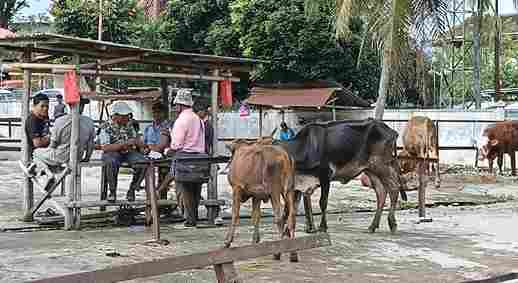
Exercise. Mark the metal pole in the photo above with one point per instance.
(212, 191)
(28, 189)
(260, 121)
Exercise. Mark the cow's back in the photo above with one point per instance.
(255, 167)
(505, 132)
(420, 137)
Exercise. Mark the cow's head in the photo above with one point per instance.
(486, 145)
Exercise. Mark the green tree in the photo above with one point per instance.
(389, 23)
(299, 47)
(9, 9)
(121, 19)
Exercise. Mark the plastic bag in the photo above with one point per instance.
(71, 88)
(225, 89)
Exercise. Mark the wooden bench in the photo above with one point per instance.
(222, 260)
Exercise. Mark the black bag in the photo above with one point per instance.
(191, 170)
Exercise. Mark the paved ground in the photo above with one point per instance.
(462, 242)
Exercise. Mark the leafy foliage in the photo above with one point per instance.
(9, 9)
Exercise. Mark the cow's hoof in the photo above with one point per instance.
(277, 256)
(227, 244)
(294, 257)
(393, 229)
(372, 229)
(322, 229)
(310, 230)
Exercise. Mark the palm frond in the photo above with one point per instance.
(430, 18)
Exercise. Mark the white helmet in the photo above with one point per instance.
(121, 108)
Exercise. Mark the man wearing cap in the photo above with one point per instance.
(59, 109)
(37, 126)
(187, 139)
(47, 160)
(119, 142)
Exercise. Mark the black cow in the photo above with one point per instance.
(342, 150)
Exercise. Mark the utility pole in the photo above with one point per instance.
(497, 53)
(100, 38)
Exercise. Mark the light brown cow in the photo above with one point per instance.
(262, 172)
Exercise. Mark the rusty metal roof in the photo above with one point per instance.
(304, 96)
(132, 95)
(281, 98)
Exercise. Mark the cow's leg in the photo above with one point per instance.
(236, 202)
(278, 221)
(381, 195)
(422, 187)
(513, 163)
(308, 213)
(392, 213)
(500, 162)
(292, 213)
(256, 218)
(324, 187)
(490, 165)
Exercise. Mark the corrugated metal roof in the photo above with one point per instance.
(311, 94)
(285, 98)
(48, 43)
(4, 33)
(135, 95)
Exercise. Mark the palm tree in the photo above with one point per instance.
(390, 22)
(8, 9)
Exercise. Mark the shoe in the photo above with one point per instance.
(218, 220)
(189, 224)
(112, 196)
(130, 195)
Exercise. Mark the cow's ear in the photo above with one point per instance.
(493, 142)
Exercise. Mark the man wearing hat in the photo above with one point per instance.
(37, 126)
(119, 143)
(59, 109)
(187, 139)
(47, 160)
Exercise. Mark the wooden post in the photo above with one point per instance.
(212, 188)
(151, 198)
(72, 213)
(165, 94)
(28, 189)
(260, 121)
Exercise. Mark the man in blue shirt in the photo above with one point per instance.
(157, 135)
(286, 133)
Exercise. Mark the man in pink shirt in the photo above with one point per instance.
(187, 139)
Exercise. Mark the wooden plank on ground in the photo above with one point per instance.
(193, 261)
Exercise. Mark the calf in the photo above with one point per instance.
(497, 139)
(262, 172)
(342, 150)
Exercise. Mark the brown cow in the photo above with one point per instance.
(262, 172)
(502, 137)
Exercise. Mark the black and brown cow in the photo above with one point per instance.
(341, 150)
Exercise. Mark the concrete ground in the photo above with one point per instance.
(472, 236)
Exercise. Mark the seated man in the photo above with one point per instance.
(157, 136)
(119, 143)
(60, 108)
(48, 160)
(37, 126)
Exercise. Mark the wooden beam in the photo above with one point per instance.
(28, 189)
(193, 261)
(108, 62)
(140, 75)
(160, 202)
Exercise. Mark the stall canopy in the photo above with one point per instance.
(305, 95)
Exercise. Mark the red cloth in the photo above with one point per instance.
(71, 88)
(225, 90)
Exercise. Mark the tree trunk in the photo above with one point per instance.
(476, 55)
(384, 81)
(498, 86)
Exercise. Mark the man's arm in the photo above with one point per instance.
(178, 134)
(90, 146)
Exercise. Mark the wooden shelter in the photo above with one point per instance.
(99, 59)
(313, 95)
